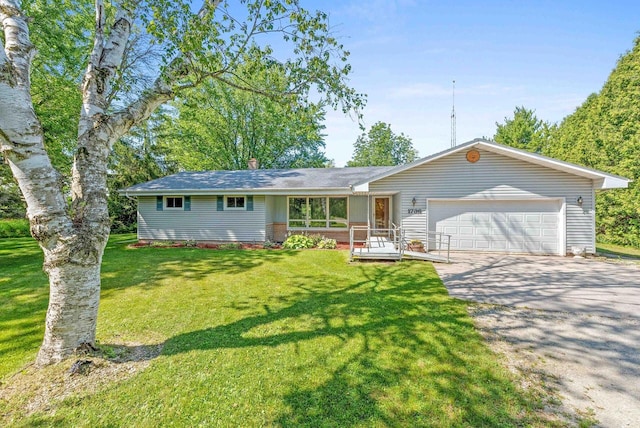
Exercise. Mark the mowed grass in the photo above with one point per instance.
(618, 250)
(264, 338)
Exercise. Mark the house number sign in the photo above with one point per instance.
(415, 210)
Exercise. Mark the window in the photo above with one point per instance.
(318, 212)
(173, 202)
(235, 202)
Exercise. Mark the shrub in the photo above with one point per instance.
(14, 228)
(161, 244)
(327, 243)
(316, 238)
(230, 246)
(297, 242)
(269, 244)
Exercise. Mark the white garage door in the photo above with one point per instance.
(505, 226)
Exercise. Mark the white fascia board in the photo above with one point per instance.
(613, 183)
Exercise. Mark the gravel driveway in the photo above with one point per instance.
(575, 320)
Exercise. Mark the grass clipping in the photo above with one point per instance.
(40, 390)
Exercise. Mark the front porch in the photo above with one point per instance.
(391, 244)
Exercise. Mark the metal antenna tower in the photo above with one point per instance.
(453, 116)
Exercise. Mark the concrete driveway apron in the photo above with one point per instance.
(581, 316)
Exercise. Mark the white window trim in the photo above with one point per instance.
(166, 207)
(328, 214)
(228, 208)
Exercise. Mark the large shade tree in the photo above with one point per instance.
(381, 147)
(218, 126)
(211, 42)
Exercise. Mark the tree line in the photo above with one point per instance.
(603, 133)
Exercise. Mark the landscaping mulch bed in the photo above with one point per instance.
(223, 246)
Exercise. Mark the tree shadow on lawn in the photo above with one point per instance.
(24, 291)
(23, 300)
(148, 266)
(414, 357)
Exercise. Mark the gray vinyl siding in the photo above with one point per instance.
(493, 177)
(202, 223)
(358, 209)
(278, 209)
(269, 206)
(396, 216)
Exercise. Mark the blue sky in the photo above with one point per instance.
(544, 55)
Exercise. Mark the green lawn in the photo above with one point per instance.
(259, 338)
(618, 250)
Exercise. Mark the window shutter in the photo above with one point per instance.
(250, 203)
(220, 203)
(159, 203)
(187, 203)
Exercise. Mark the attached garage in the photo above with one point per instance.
(519, 226)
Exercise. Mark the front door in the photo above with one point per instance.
(381, 214)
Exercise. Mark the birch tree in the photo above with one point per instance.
(210, 42)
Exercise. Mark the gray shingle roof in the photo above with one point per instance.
(258, 180)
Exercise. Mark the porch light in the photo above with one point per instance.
(413, 201)
(580, 200)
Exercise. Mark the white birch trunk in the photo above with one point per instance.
(72, 237)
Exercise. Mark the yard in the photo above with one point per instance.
(256, 338)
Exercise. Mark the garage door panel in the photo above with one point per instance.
(515, 218)
(533, 218)
(510, 226)
(466, 244)
(484, 231)
(499, 245)
(533, 231)
(482, 245)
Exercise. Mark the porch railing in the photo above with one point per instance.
(433, 242)
(362, 241)
(376, 243)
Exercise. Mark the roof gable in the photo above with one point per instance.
(602, 180)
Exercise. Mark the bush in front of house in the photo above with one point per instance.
(327, 244)
(298, 242)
